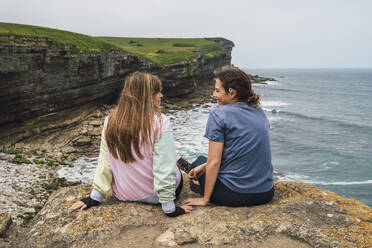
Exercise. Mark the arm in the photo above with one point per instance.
(103, 175)
(212, 167)
(197, 171)
(102, 180)
(164, 169)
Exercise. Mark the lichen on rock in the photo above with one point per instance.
(299, 216)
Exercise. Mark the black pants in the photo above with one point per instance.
(179, 188)
(224, 196)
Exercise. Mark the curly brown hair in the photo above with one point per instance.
(234, 78)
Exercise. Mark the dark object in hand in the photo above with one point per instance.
(183, 164)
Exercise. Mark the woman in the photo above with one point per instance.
(137, 158)
(238, 171)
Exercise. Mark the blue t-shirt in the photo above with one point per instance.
(246, 158)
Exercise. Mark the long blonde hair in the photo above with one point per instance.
(131, 123)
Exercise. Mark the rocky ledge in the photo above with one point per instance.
(299, 216)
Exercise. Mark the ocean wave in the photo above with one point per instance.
(294, 177)
(338, 123)
(274, 104)
(269, 82)
(341, 182)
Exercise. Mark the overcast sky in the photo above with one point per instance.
(266, 33)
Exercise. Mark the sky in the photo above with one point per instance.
(266, 33)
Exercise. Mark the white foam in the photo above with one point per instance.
(341, 182)
(272, 82)
(273, 104)
(266, 83)
(83, 170)
(293, 177)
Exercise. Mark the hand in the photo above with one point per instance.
(197, 172)
(78, 205)
(187, 208)
(195, 202)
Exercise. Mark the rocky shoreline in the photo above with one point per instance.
(29, 166)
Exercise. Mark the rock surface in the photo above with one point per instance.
(299, 216)
(5, 221)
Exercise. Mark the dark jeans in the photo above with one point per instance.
(224, 196)
(179, 188)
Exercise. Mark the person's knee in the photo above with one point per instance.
(201, 159)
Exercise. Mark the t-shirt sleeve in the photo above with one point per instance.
(215, 127)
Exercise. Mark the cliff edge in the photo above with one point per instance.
(44, 71)
(299, 216)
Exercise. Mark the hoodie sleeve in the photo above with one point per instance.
(103, 175)
(164, 164)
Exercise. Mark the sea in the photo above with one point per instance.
(320, 129)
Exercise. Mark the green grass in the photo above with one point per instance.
(165, 51)
(32, 122)
(51, 163)
(55, 184)
(38, 161)
(13, 151)
(21, 160)
(79, 42)
(162, 51)
(26, 218)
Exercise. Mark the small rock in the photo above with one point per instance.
(95, 123)
(59, 155)
(29, 211)
(19, 145)
(166, 239)
(3, 156)
(330, 215)
(5, 221)
(68, 150)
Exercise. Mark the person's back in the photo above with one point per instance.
(238, 171)
(137, 159)
(246, 158)
(134, 181)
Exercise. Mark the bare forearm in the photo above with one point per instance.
(210, 179)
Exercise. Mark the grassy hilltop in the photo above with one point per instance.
(10, 32)
(166, 50)
(161, 51)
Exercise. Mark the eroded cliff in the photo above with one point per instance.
(38, 77)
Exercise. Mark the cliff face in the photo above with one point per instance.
(37, 79)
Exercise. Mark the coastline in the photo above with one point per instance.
(83, 136)
(33, 162)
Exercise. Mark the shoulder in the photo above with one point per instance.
(163, 123)
(221, 112)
